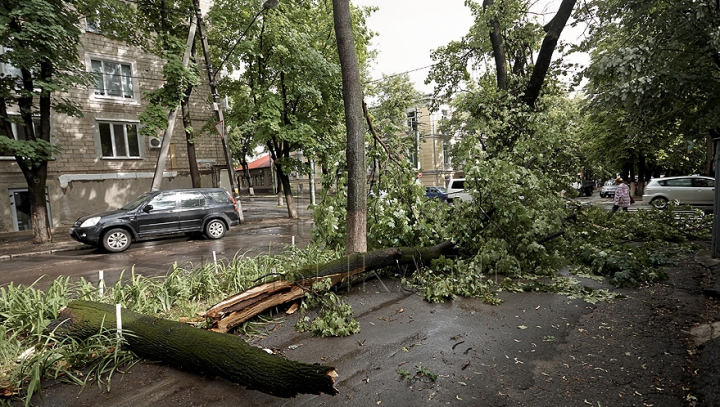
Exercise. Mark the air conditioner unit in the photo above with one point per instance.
(154, 142)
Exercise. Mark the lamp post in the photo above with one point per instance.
(222, 129)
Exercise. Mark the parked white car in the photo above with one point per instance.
(608, 190)
(692, 190)
(456, 191)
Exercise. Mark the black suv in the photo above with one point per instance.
(201, 210)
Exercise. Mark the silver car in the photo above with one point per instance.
(608, 189)
(692, 190)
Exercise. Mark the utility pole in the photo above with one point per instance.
(172, 116)
(217, 106)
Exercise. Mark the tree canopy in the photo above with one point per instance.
(653, 81)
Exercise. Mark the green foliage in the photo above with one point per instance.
(30, 354)
(335, 317)
(420, 371)
(405, 374)
(654, 92)
(631, 248)
(288, 94)
(447, 278)
(425, 372)
(566, 286)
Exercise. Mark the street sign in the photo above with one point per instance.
(219, 127)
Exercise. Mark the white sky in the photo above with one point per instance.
(408, 30)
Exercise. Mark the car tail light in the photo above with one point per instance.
(232, 198)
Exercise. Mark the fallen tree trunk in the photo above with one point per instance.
(234, 310)
(198, 350)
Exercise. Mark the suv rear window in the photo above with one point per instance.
(460, 184)
(192, 200)
(220, 196)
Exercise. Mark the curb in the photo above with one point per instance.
(67, 248)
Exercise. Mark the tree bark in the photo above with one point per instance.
(234, 310)
(356, 219)
(198, 351)
(498, 51)
(549, 43)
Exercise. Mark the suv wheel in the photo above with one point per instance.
(116, 240)
(215, 229)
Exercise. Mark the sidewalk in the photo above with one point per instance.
(19, 244)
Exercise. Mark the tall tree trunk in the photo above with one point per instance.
(36, 179)
(36, 173)
(710, 152)
(198, 351)
(498, 50)
(554, 29)
(356, 223)
(284, 181)
(246, 171)
(282, 150)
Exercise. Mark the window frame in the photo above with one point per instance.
(129, 89)
(112, 124)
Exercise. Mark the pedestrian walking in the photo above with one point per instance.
(622, 196)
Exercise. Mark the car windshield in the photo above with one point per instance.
(136, 202)
(441, 189)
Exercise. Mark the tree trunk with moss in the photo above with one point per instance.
(234, 310)
(199, 351)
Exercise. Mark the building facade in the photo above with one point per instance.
(432, 154)
(104, 161)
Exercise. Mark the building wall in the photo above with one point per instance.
(80, 180)
(434, 167)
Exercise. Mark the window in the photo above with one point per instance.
(220, 196)
(458, 184)
(679, 182)
(164, 202)
(92, 24)
(119, 140)
(192, 200)
(703, 182)
(8, 69)
(112, 79)
(447, 157)
(15, 128)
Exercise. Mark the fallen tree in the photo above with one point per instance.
(198, 351)
(234, 310)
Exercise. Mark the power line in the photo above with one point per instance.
(403, 73)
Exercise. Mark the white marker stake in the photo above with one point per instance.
(118, 318)
(293, 240)
(215, 261)
(101, 283)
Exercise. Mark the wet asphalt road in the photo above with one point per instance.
(512, 354)
(268, 229)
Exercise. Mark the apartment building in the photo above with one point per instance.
(104, 161)
(431, 155)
